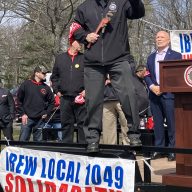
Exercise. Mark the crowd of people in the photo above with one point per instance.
(98, 88)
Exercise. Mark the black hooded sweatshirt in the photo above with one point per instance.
(35, 99)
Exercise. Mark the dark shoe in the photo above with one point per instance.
(171, 157)
(134, 139)
(156, 155)
(93, 148)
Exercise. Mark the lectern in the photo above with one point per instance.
(176, 77)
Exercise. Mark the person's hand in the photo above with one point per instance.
(24, 119)
(82, 93)
(155, 89)
(44, 116)
(59, 94)
(92, 37)
(107, 82)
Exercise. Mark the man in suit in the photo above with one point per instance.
(162, 104)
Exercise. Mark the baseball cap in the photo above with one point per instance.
(74, 27)
(40, 68)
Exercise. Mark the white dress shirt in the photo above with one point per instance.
(159, 57)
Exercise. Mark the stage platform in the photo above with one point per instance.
(161, 166)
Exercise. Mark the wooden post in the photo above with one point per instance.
(175, 77)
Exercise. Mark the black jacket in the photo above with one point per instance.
(67, 75)
(141, 95)
(112, 45)
(109, 93)
(35, 99)
(7, 105)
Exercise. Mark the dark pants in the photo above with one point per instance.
(122, 81)
(7, 128)
(163, 108)
(33, 126)
(52, 134)
(72, 113)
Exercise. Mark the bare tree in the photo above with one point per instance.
(141, 36)
(41, 31)
(51, 16)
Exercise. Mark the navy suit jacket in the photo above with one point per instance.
(150, 78)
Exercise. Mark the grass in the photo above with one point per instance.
(16, 131)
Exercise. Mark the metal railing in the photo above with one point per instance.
(113, 151)
(122, 151)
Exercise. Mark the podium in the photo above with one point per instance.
(176, 77)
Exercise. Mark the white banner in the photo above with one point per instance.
(26, 170)
(181, 41)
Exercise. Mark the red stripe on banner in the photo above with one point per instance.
(187, 56)
(88, 189)
(20, 184)
(9, 186)
(63, 188)
(50, 186)
(76, 189)
(40, 186)
(30, 183)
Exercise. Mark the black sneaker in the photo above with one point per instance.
(135, 139)
(93, 148)
(156, 155)
(171, 157)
